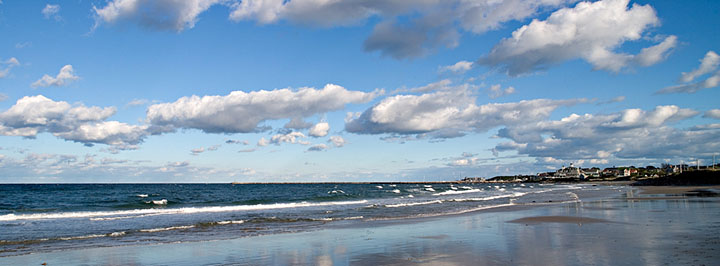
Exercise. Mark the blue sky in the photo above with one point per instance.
(304, 90)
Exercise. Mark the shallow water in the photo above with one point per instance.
(37, 218)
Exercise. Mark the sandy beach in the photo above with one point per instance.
(615, 230)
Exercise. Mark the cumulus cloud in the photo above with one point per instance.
(496, 91)
(458, 68)
(589, 31)
(631, 133)
(407, 29)
(447, 113)
(337, 141)
(155, 14)
(431, 24)
(51, 11)
(7, 65)
(708, 64)
(714, 113)
(319, 130)
(32, 115)
(292, 138)
(65, 76)
(242, 112)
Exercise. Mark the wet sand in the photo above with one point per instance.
(605, 231)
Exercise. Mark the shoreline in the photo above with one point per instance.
(445, 239)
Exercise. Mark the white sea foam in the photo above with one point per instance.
(379, 187)
(453, 192)
(410, 196)
(230, 222)
(430, 189)
(187, 210)
(427, 185)
(166, 228)
(142, 195)
(117, 234)
(466, 187)
(78, 237)
(396, 191)
(516, 194)
(413, 204)
(160, 202)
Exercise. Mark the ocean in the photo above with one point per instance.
(47, 217)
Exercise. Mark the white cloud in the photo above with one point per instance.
(197, 151)
(65, 76)
(318, 147)
(51, 11)
(155, 14)
(714, 113)
(407, 28)
(242, 112)
(9, 64)
(432, 23)
(292, 138)
(36, 114)
(495, 91)
(652, 55)
(3, 97)
(708, 64)
(590, 31)
(319, 130)
(448, 113)
(631, 133)
(711, 82)
(459, 67)
(262, 142)
(200, 150)
(337, 141)
(464, 162)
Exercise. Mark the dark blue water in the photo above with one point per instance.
(59, 216)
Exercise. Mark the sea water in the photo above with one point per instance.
(43, 217)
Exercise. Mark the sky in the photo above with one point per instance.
(366, 90)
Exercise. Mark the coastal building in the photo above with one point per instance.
(591, 172)
(569, 172)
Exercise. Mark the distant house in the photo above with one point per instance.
(569, 172)
(591, 172)
(630, 171)
(613, 171)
